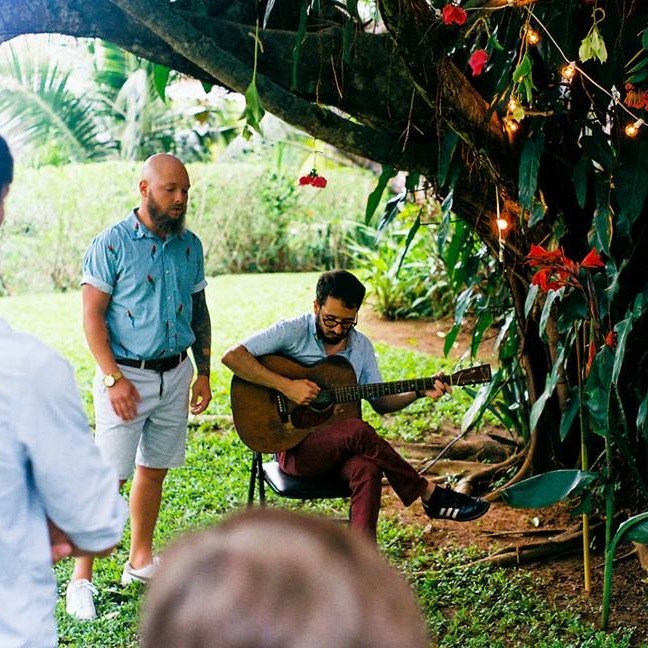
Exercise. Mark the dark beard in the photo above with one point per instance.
(162, 221)
(329, 339)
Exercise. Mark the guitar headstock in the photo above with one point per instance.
(471, 375)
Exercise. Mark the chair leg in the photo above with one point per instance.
(253, 476)
(261, 478)
(256, 473)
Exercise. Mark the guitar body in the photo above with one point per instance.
(268, 422)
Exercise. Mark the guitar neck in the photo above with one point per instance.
(370, 391)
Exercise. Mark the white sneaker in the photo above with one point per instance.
(141, 575)
(78, 599)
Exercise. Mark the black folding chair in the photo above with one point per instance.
(299, 488)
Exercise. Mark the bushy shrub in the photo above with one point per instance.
(403, 284)
(250, 218)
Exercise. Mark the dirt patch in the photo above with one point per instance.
(560, 579)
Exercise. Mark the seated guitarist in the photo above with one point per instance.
(350, 446)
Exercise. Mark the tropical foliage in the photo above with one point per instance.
(525, 120)
(92, 100)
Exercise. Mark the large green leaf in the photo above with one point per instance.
(484, 322)
(570, 413)
(598, 388)
(550, 385)
(642, 413)
(254, 111)
(478, 406)
(602, 234)
(374, 197)
(598, 148)
(393, 207)
(161, 79)
(622, 330)
(630, 186)
(411, 235)
(634, 528)
(552, 295)
(448, 147)
(530, 298)
(528, 171)
(450, 339)
(580, 176)
(548, 488)
(300, 37)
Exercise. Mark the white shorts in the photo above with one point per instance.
(156, 438)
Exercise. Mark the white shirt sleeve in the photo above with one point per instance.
(78, 490)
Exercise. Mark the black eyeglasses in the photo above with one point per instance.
(331, 322)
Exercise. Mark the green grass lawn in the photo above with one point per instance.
(464, 607)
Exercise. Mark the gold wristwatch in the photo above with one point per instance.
(110, 379)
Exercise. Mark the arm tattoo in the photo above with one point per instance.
(201, 326)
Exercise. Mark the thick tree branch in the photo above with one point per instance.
(185, 39)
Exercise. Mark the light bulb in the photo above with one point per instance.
(502, 224)
(568, 72)
(511, 125)
(532, 36)
(632, 128)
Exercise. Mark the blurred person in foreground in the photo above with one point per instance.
(57, 496)
(144, 308)
(269, 578)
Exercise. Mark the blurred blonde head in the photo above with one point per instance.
(267, 578)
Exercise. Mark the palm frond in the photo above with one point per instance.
(36, 100)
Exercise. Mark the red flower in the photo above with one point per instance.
(542, 278)
(592, 260)
(539, 256)
(478, 61)
(591, 354)
(313, 179)
(555, 270)
(453, 14)
(611, 339)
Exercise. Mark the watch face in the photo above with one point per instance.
(109, 380)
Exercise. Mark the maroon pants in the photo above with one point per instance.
(355, 449)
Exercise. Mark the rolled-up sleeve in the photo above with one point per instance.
(99, 264)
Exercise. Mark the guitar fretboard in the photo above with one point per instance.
(350, 393)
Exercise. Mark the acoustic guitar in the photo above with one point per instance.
(268, 422)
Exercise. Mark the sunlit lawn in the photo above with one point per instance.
(464, 607)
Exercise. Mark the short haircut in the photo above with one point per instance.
(271, 578)
(341, 285)
(6, 164)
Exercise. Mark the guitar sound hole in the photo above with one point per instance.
(322, 402)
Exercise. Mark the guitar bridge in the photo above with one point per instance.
(282, 407)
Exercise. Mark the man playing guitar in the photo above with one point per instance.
(348, 445)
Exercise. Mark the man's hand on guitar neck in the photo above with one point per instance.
(440, 388)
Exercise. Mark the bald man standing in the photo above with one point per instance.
(143, 290)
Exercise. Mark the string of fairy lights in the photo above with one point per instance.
(568, 73)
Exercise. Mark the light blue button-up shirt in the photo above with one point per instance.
(297, 339)
(49, 468)
(150, 283)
